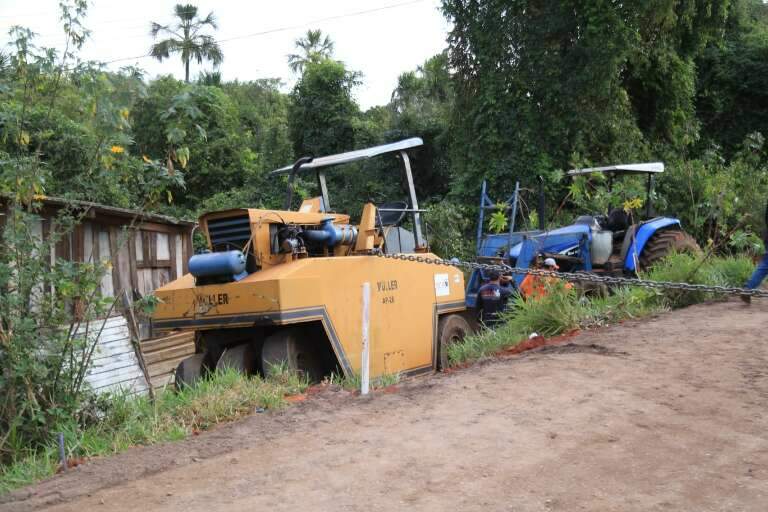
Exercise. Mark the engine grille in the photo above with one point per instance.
(230, 232)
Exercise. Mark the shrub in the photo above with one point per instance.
(731, 271)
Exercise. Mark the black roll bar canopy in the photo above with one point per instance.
(306, 164)
(650, 169)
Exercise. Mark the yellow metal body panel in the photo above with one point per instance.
(406, 298)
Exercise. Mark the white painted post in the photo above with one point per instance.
(365, 368)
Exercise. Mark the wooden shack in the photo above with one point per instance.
(144, 252)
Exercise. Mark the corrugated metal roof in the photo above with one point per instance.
(113, 211)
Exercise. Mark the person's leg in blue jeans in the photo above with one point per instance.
(758, 275)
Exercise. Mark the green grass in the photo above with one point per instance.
(562, 310)
(723, 271)
(30, 469)
(135, 420)
(559, 311)
(353, 382)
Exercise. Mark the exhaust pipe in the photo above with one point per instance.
(296, 166)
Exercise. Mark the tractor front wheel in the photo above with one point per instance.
(663, 243)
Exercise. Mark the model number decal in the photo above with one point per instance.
(386, 286)
(203, 303)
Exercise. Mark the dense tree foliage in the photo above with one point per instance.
(524, 89)
(421, 106)
(63, 129)
(732, 88)
(542, 86)
(322, 111)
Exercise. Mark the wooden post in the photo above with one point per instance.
(365, 368)
(133, 328)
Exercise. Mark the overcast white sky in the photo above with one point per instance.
(381, 44)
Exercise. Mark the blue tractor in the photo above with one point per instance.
(610, 243)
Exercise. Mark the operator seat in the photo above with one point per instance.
(396, 238)
(618, 220)
(385, 219)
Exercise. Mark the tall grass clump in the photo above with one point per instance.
(686, 268)
(623, 303)
(122, 420)
(731, 270)
(557, 312)
(354, 381)
(563, 309)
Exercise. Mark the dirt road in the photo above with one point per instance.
(666, 414)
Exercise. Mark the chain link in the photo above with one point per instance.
(579, 276)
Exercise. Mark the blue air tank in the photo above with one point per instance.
(228, 263)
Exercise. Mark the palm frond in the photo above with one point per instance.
(185, 12)
(210, 20)
(156, 28)
(207, 48)
(296, 62)
(327, 46)
(163, 49)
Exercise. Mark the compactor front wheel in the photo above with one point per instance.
(295, 349)
(450, 329)
(243, 358)
(189, 371)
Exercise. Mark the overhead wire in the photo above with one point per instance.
(280, 29)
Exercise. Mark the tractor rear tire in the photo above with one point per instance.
(189, 371)
(293, 348)
(450, 329)
(663, 243)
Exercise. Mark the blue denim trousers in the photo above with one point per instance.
(759, 274)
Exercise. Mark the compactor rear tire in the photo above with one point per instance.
(450, 329)
(243, 358)
(189, 371)
(664, 243)
(294, 348)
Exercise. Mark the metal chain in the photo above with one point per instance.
(578, 276)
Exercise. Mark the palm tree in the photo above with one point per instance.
(314, 48)
(186, 39)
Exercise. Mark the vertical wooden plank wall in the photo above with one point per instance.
(124, 263)
(139, 261)
(179, 258)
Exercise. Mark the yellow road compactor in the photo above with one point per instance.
(285, 286)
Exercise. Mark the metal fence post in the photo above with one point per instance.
(366, 358)
(62, 452)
